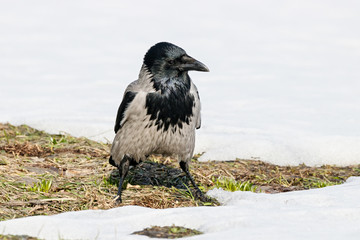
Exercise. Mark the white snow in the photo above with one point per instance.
(283, 87)
(327, 213)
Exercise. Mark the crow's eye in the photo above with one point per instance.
(171, 62)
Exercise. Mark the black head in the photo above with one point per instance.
(168, 60)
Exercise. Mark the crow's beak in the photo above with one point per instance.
(190, 63)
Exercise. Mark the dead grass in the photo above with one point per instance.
(16, 237)
(168, 232)
(44, 174)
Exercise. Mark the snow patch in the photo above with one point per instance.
(331, 213)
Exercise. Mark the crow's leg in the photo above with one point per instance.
(198, 194)
(123, 171)
(125, 163)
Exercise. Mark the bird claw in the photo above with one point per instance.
(200, 195)
(117, 199)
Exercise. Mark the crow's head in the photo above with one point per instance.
(166, 60)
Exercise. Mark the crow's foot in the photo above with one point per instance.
(117, 199)
(201, 196)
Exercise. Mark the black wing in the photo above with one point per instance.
(198, 122)
(128, 98)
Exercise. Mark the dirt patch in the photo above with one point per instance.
(168, 232)
(24, 149)
(16, 237)
(44, 174)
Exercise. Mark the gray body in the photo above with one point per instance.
(139, 136)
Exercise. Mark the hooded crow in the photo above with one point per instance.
(159, 112)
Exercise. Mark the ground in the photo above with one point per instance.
(44, 174)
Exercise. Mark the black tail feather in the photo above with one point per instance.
(111, 161)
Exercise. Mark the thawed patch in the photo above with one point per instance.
(45, 174)
(168, 232)
(16, 237)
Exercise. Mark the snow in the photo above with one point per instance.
(326, 213)
(283, 87)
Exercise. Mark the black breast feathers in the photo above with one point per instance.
(172, 104)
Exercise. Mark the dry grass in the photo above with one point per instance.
(168, 232)
(273, 178)
(17, 237)
(44, 174)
